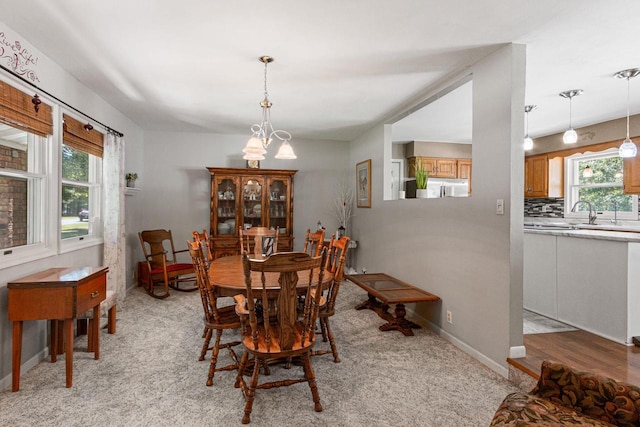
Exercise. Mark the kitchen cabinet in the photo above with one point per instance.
(249, 198)
(464, 171)
(535, 176)
(436, 166)
(543, 176)
(585, 278)
(631, 177)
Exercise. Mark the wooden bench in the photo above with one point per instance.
(383, 290)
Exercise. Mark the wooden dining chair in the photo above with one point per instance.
(162, 263)
(262, 240)
(335, 264)
(215, 319)
(205, 245)
(278, 332)
(313, 242)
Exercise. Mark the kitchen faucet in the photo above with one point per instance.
(592, 213)
(615, 213)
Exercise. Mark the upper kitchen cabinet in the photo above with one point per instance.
(437, 167)
(249, 198)
(543, 177)
(631, 177)
(464, 170)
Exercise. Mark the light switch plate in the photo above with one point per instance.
(500, 207)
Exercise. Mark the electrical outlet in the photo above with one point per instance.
(449, 317)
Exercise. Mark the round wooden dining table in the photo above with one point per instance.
(227, 275)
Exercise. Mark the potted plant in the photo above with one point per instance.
(131, 179)
(421, 180)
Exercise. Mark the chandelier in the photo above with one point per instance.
(264, 133)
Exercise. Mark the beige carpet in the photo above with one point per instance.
(149, 375)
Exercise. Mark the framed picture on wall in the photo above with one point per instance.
(363, 184)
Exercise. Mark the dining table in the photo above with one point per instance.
(227, 275)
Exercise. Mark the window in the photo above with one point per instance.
(602, 187)
(81, 178)
(22, 188)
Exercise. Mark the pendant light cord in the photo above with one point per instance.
(628, 101)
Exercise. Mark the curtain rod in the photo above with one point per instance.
(109, 129)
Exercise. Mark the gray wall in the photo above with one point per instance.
(459, 249)
(438, 149)
(611, 130)
(176, 184)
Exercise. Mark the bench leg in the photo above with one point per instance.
(400, 323)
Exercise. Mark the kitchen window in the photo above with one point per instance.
(601, 185)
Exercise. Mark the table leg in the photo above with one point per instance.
(400, 323)
(16, 355)
(68, 335)
(53, 348)
(95, 342)
(371, 303)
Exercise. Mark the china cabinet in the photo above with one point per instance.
(249, 198)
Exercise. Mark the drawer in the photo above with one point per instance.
(91, 293)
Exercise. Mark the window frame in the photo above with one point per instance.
(39, 240)
(94, 183)
(572, 186)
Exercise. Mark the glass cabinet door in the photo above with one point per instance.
(252, 202)
(225, 215)
(279, 205)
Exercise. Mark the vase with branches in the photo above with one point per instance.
(343, 202)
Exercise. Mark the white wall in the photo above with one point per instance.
(64, 86)
(459, 249)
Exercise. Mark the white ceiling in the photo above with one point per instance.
(340, 66)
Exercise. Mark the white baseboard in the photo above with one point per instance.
(517, 352)
(491, 364)
(5, 382)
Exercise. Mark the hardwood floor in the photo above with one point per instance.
(581, 350)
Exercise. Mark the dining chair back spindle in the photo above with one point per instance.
(215, 318)
(262, 240)
(313, 242)
(335, 264)
(203, 241)
(275, 331)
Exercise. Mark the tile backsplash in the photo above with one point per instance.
(544, 207)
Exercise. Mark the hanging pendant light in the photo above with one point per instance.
(570, 136)
(528, 142)
(587, 172)
(628, 148)
(264, 133)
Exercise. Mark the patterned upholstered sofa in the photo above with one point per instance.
(565, 396)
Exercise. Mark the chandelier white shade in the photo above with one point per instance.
(528, 142)
(570, 136)
(264, 132)
(628, 148)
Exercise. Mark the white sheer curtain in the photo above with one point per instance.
(114, 232)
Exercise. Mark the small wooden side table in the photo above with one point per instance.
(383, 290)
(56, 294)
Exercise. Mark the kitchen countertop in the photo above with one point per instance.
(621, 236)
